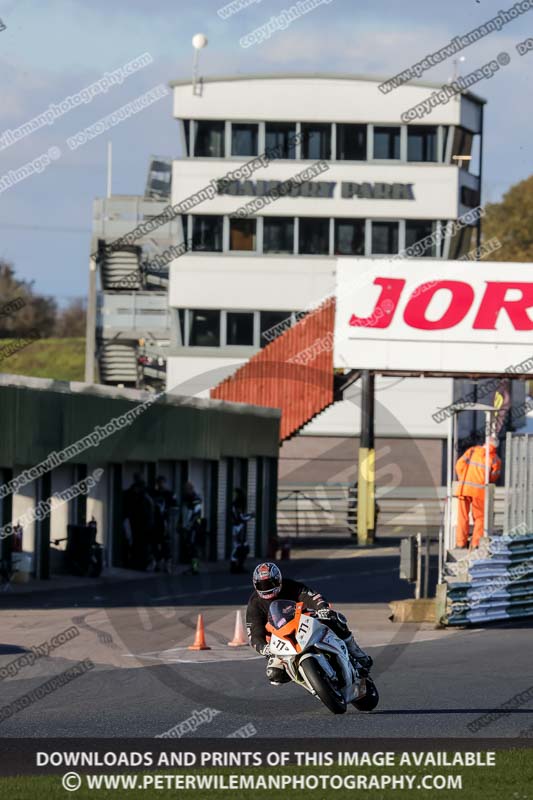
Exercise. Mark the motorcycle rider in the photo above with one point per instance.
(268, 586)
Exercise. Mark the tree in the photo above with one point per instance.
(71, 320)
(511, 221)
(22, 311)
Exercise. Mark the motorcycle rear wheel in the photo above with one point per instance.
(325, 692)
(370, 700)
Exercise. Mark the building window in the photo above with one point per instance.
(239, 328)
(209, 138)
(349, 237)
(386, 142)
(244, 139)
(185, 231)
(278, 235)
(314, 236)
(462, 146)
(204, 328)
(274, 323)
(470, 197)
(316, 140)
(384, 238)
(181, 325)
(421, 143)
(441, 154)
(444, 235)
(351, 142)
(207, 233)
(187, 135)
(280, 139)
(242, 234)
(416, 230)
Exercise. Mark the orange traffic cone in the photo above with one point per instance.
(239, 636)
(199, 639)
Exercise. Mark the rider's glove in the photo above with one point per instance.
(265, 650)
(325, 613)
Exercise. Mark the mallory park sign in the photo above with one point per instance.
(362, 191)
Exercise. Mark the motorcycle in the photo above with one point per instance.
(315, 658)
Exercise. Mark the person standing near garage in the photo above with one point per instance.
(470, 469)
(191, 526)
(164, 500)
(239, 517)
(139, 511)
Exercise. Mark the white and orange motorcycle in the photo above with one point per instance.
(317, 659)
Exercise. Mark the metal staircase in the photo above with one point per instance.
(293, 373)
(118, 363)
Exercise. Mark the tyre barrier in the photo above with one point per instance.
(494, 583)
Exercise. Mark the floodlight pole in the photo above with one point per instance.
(195, 62)
(199, 41)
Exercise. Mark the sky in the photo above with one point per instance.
(51, 50)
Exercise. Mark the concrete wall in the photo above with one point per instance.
(264, 282)
(291, 98)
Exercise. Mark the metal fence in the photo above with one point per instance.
(310, 509)
(313, 510)
(518, 482)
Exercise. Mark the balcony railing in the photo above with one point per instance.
(116, 216)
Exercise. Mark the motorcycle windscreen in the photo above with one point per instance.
(281, 612)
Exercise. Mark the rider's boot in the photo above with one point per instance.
(275, 672)
(357, 653)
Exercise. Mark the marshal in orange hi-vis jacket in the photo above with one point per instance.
(470, 469)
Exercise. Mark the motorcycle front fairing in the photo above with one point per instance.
(312, 639)
(312, 633)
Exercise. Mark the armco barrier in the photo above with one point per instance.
(493, 584)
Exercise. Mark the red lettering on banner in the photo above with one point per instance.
(462, 297)
(387, 301)
(494, 301)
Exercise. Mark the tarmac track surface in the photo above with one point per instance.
(145, 682)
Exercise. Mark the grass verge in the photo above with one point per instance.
(59, 359)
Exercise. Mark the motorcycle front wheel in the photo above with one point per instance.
(317, 678)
